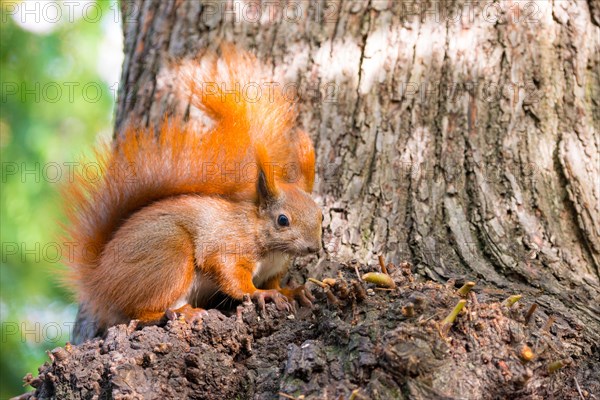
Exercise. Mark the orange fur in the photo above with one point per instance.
(144, 175)
(305, 154)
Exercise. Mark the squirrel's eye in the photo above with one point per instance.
(282, 220)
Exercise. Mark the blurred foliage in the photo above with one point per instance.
(53, 106)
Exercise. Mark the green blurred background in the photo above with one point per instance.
(59, 68)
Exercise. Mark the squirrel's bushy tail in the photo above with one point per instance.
(142, 166)
(236, 92)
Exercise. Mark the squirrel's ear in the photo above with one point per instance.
(267, 190)
(306, 159)
(266, 187)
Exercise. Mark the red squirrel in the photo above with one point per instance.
(180, 213)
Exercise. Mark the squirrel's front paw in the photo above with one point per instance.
(301, 294)
(281, 301)
(189, 313)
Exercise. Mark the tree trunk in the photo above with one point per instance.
(459, 137)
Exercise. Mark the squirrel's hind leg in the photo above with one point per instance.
(155, 270)
(187, 312)
(190, 314)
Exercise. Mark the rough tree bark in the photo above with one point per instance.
(458, 139)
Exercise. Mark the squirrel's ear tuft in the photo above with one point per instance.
(266, 188)
(306, 159)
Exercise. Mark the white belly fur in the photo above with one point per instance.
(272, 264)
